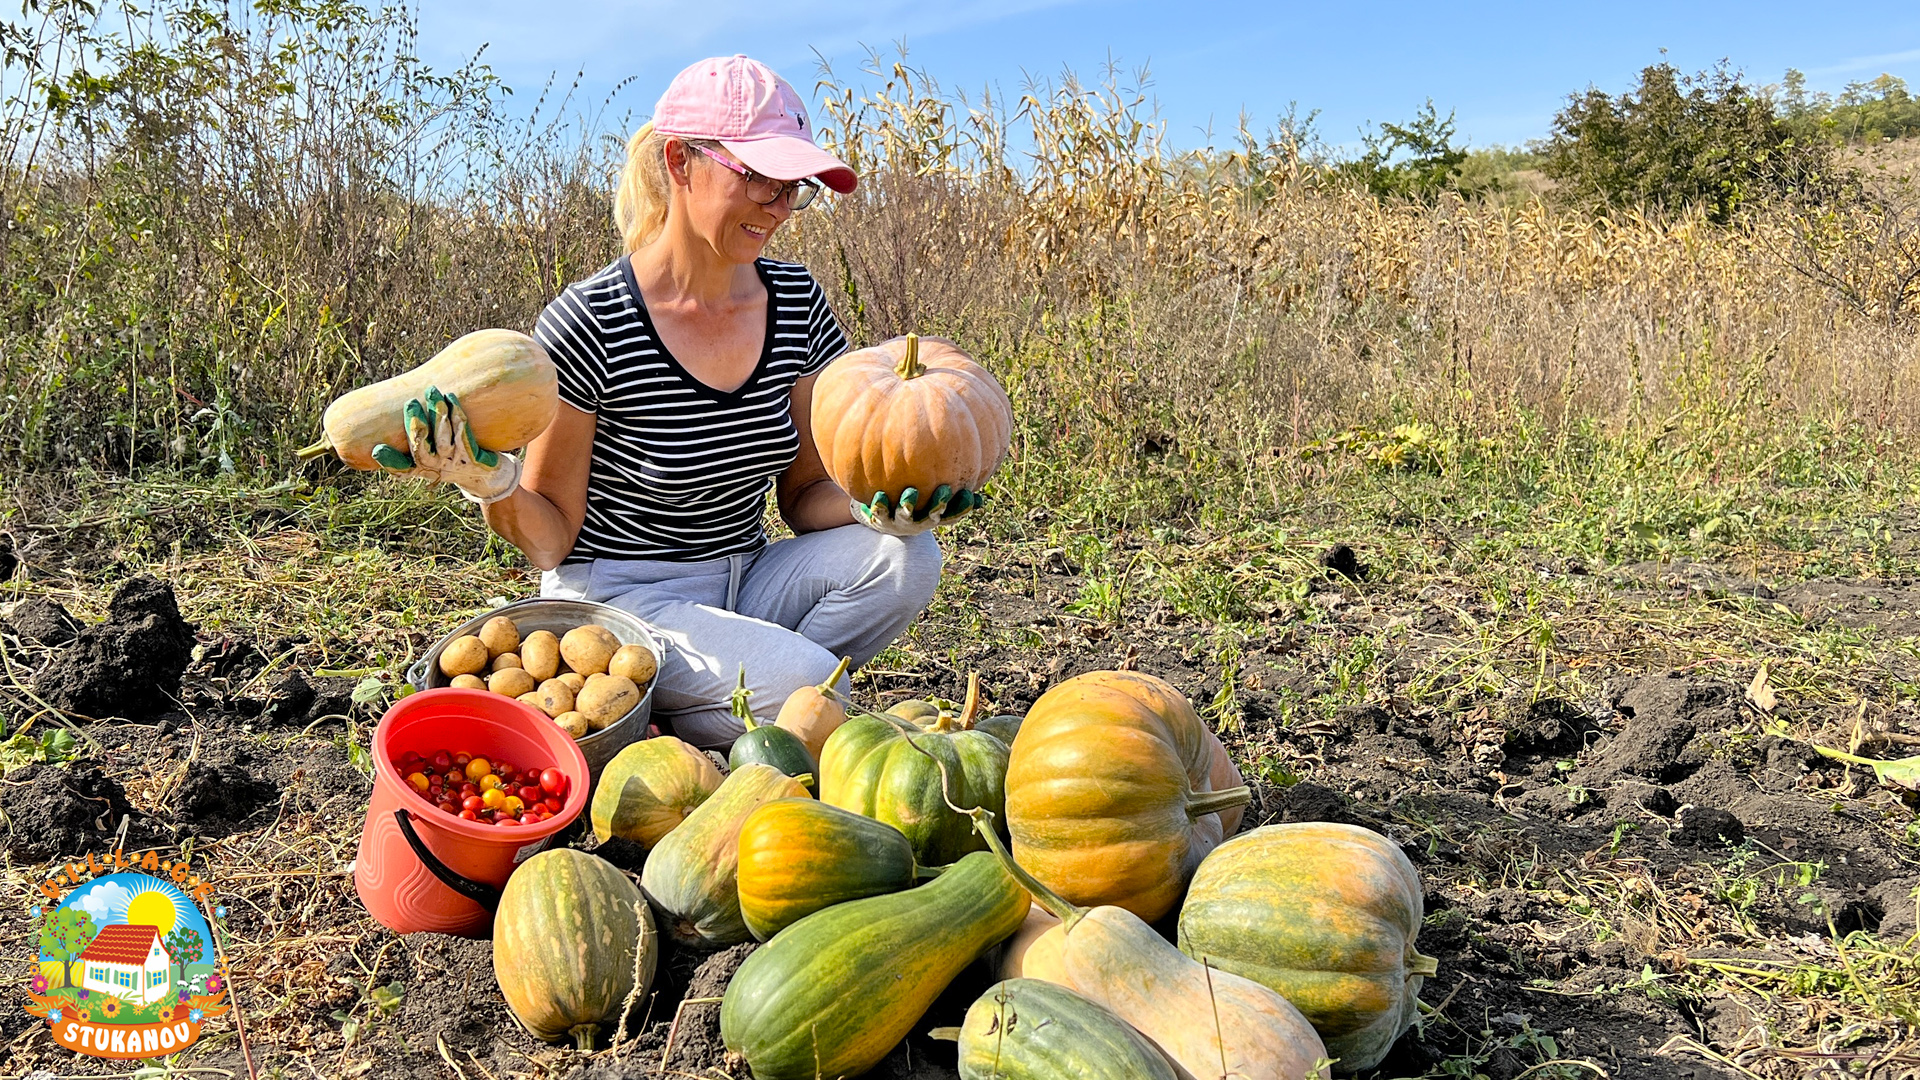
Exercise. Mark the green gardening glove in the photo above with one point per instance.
(911, 514)
(441, 448)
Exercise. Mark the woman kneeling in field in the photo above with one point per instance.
(686, 378)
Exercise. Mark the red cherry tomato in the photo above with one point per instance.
(553, 780)
(469, 815)
(552, 803)
(473, 803)
(442, 761)
(502, 769)
(462, 758)
(530, 795)
(506, 821)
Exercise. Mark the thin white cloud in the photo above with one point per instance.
(106, 902)
(1867, 63)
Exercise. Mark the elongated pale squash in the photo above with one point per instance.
(830, 995)
(1034, 950)
(692, 876)
(1025, 1029)
(504, 381)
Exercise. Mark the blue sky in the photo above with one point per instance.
(1503, 68)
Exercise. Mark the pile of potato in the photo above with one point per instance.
(584, 680)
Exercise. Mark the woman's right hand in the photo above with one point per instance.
(441, 448)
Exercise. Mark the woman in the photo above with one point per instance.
(686, 380)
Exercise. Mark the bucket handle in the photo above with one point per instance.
(485, 895)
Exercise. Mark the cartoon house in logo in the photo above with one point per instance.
(127, 961)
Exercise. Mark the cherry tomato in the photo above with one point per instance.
(418, 780)
(502, 768)
(478, 768)
(529, 794)
(553, 780)
(442, 761)
(473, 802)
(513, 804)
(493, 798)
(462, 758)
(469, 815)
(507, 821)
(551, 803)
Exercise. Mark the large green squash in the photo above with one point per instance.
(885, 767)
(572, 940)
(830, 995)
(800, 855)
(649, 788)
(1027, 1029)
(691, 876)
(1325, 915)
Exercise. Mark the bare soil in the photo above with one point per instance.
(1560, 841)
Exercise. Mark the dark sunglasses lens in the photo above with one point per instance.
(802, 195)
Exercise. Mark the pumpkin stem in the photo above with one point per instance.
(1212, 802)
(910, 366)
(1421, 964)
(928, 873)
(944, 1034)
(583, 1036)
(325, 444)
(970, 711)
(826, 688)
(740, 695)
(1059, 906)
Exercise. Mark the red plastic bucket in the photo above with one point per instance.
(421, 868)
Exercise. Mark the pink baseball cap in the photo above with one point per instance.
(752, 112)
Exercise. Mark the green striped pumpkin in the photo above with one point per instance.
(571, 940)
(1027, 1029)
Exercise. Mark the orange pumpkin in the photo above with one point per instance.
(910, 413)
(1110, 796)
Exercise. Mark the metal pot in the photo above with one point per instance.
(557, 617)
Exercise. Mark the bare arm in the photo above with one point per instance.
(809, 499)
(543, 517)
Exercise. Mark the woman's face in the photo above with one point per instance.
(716, 203)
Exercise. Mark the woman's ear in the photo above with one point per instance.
(679, 161)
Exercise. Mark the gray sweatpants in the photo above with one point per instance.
(789, 612)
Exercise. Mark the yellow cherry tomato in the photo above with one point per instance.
(478, 768)
(494, 798)
(489, 782)
(512, 804)
(419, 781)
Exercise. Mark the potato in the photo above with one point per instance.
(540, 654)
(464, 656)
(555, 697)
(573, 679)
(586, 649)
(469, 682)
(635, 662)
(512, 682)
(607, 699)
(504, 661)
(572, 722)
(500, 635)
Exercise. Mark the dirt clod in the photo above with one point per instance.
(42, 621)
(1341, 560)
(53, 812)
(223, 793)
(1707, 827)
(128, 666)
(289, 700)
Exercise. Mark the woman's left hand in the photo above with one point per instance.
(911, 514)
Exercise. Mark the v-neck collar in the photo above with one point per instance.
(673, 362)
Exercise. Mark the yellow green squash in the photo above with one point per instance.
(691, 876)
(831, 994)
(572, 940)
(798, 856)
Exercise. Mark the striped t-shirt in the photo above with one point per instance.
(681, 470)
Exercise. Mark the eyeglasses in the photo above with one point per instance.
(765, 190)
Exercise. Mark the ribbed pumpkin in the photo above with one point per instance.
(830, 995)
(1208, 1022)
(884, 767)
(910, 412)
(571, 938)
(1109, 792)
(649, 788)
(1326, 915)
(1025, 1029)
(812, 713)
(767, 744)
(800, 855)
(691, 877)
(503, 380)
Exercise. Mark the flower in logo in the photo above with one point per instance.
(195, 1015)
(33, 912)
(84, 1015)
(40, 983)
(214, 983)
(110, 1008)
(220, 913)
(85, 993)
(53, 1015)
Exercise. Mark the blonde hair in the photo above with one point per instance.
(640, 200)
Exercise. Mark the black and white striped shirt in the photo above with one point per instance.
(681, 470)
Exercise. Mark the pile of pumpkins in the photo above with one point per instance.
(939, 836)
